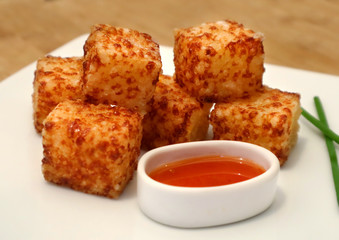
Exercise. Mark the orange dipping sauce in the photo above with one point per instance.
(206, 171)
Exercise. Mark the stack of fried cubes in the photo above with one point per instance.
(96, 112)
(90, 109)
(223, 63)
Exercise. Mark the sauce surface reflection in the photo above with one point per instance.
(206, 171)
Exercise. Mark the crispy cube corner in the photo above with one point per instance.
(121, 67)
(56, 79)
(91, 148)
(268, 118)
(175, 116)
(218, 61)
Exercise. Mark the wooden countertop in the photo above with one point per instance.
(300, 34)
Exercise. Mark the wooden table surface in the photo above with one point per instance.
(300, 34)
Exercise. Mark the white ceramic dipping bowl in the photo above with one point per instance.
(192, 207)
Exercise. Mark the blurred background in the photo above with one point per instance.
(301, 34)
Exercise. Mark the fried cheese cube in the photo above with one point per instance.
(91, 148)
(175, 116)
(220, 60)
(268, 118)
(121, 67)
(56, 79)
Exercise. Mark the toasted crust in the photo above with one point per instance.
(268, 118)
(121, 67)
(217, 61)
(175, 116)
(56, 79)
(91, 148)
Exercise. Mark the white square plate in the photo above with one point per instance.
(305, 206)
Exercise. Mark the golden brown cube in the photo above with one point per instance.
(268, 118)
(121, 67)
(91, 148)
(220, 60)
(175, 117)
(56, 79)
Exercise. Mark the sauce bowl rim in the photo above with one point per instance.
(270, 172)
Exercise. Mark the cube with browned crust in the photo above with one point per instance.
(175, 116)
(219, 60)
(56, 79)
(91, 148)
(268, 118)
(121, 67)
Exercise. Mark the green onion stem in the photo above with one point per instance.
(321, 125)
(330, 146)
